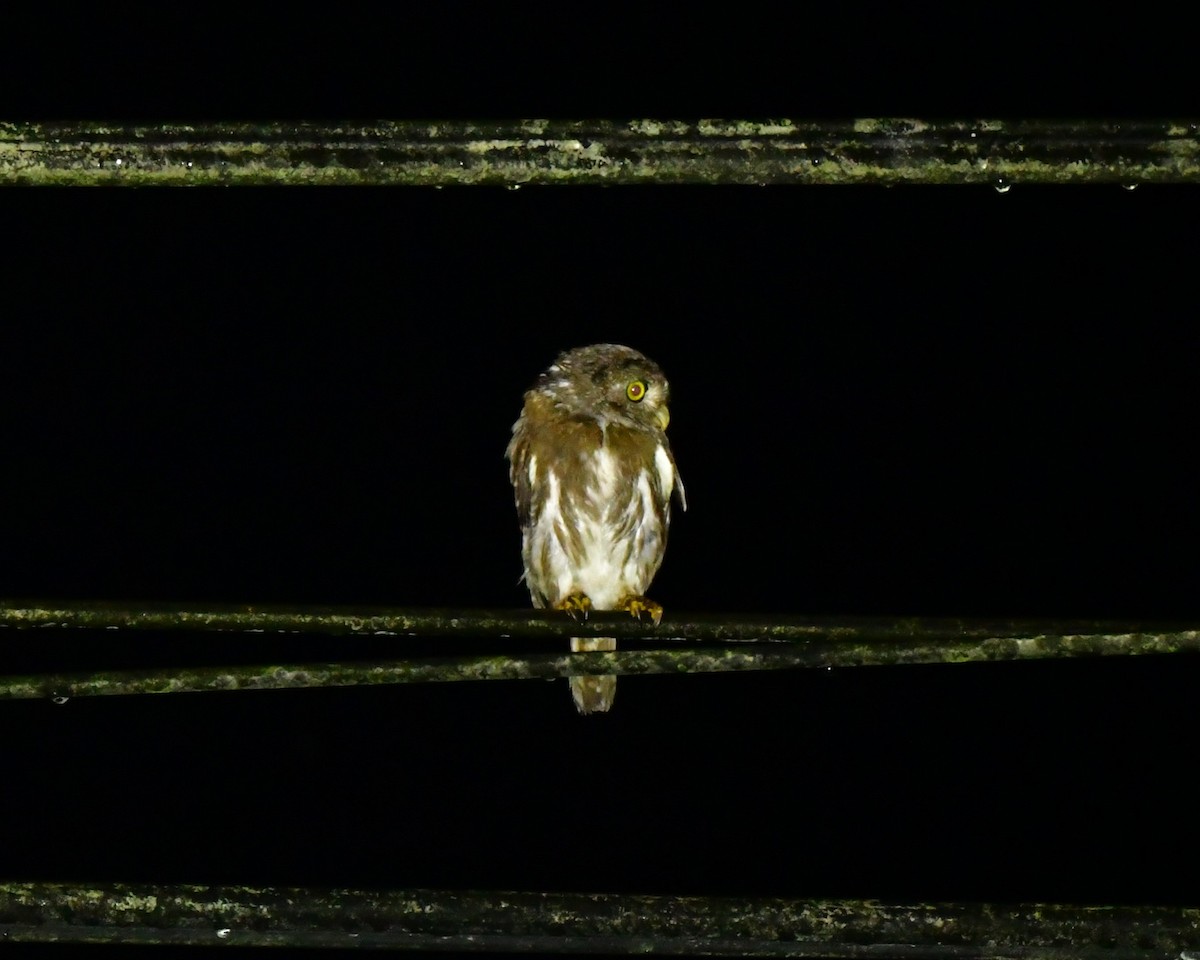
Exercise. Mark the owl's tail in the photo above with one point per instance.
(593, 694)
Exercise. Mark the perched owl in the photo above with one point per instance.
(593, 475)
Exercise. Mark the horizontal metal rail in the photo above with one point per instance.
(61, 687)
(531, 644)
(519, 152)
(587, 923)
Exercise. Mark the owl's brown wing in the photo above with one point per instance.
(518, 472)
(680, 493)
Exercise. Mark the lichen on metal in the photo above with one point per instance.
(531, 645)
(482, 921)
(641, 151)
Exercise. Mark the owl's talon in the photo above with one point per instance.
(641, 608)
(576, 605)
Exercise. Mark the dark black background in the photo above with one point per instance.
(905, 401)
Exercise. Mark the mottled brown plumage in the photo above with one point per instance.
(593, 476)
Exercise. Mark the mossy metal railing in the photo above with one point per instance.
(533, 645)
(562, 922)
(866, 151)
(514, 153)
(580, 923)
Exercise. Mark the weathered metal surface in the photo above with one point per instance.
(532, 645)
(586, 923)
(1015, 638)
(514, 153)
(62, 687)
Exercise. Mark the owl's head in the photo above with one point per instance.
(607, 381)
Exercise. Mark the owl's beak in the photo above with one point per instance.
(663, 416)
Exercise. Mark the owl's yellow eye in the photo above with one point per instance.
(635, 391)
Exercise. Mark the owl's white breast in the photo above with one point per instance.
(620, 537)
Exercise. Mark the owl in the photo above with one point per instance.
(593, 476)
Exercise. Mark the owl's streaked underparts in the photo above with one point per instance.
(593, 475)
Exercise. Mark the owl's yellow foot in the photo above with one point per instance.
(641, 608)
(576, 605)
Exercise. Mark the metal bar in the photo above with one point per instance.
(62, 687)
(1019, 638)
(586, 923)
(514, 153)
(694, 645)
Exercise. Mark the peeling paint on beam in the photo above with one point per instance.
(516, 153)
(585, 923)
